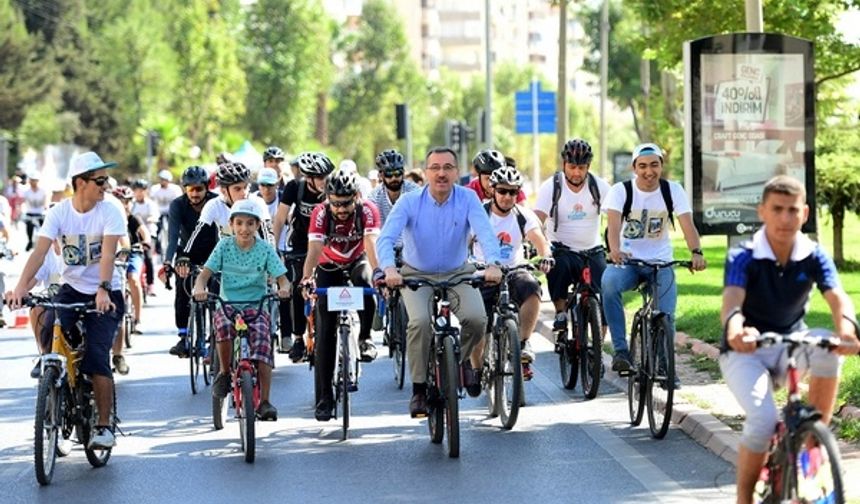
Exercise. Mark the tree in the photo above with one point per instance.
(287, 63)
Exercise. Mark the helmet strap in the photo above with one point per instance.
(500, 209)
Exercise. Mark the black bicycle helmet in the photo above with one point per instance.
(123, 192)
(507, 175)
(273, 152)
(390, 161)
(488, 160)
(194, 175)
(139, 184)
(232, 173)
(577, 151)
(314, 164)
(341, 183)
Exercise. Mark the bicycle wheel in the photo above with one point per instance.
(568, 358)
(397, 340)
(435, 399)
(816, 474)
(246, 415)
(208, 348)
(661, 379)
(97, 457)
(193, 355)
(636, 380)
(450, 384)
(590, 351)
(217, 402)
(346, 361)
(509, 376)
(128, 327)
(49, 418)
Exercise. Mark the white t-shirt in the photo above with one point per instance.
(147, 210)
(164, 195)
(273, 208)
(645, 233)
(216, 211)
(35, 202)
(80, 238)
(51, 271)
(510, 239)
(579, 217)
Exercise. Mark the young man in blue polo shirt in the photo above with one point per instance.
(777, 269)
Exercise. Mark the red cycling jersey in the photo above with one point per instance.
(345, 244)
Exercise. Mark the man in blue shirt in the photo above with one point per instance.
(435, 224)
(768, 282)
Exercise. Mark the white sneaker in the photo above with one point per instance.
(526, 352)
(102, 439)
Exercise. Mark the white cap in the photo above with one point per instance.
(34, 174)
(246, 207)
(348, 166)
(87, 162)
(267, 176)
(647, 149)
(373, 174)
(165, 175)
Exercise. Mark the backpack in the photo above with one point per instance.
(358, 228)
(556, 194)
(521, 219)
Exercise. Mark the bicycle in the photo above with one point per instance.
(651, 379)
(127, 325)
(395, 333)
(803, 462)
(347, 367)
(580, 350)
(502, 375)
(201, 336)
(444, 380)
(245, 393)
(65, 401)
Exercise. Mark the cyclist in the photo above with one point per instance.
(297, 201)
(341, 245)
(163, 194)
(364, 185)
(245, 262)
(273, 156)
(569, 204)
(183, 216)
(435, 223)
(777, 269)
(35, 202)
(484, 163)
(644, 235)
(145, 208)
(89, 231)
(267, 184)
(513, 224)
(391, 168)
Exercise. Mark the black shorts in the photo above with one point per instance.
(522, 285)
(568, 269)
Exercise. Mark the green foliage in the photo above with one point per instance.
(43, 125)
(23, 80)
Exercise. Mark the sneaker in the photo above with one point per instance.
(150, 290)
(136, 327)
(418, 405)
(221, 386)
(471, 380)
(526, 353)
(297, 352)
(285, 345)
(323, 412)
(36, 372)
(102, 439)
(621, 361)
(367, 350)
(180, 349)
(560, 322)
(266, 412)
(119, 364)
(528, 373)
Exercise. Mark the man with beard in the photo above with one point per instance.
(391, 168)
(569, 204)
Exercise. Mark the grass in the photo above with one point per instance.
(848, 429)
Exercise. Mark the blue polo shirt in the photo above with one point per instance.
(777, 295)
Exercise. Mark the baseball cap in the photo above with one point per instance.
(246, 207)
(267, 176)
(348, 166)
(166, 175)
(373, 174)
(647, 149)
(87, 162)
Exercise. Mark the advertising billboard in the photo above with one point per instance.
(751, 116)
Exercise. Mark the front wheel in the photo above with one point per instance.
(661, 377)
(246, 415)
(435, 400)
(49, 418)
(217, 402)
(346, 360)
(450, 386)
(397, 340)
(816, 475)
(568, 358)
(509, 375)
(98, 457)
(590, 351)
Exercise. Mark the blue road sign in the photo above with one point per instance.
(525, 108)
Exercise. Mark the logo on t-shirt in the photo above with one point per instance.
(646, 226)
(578, 213)
(505, 247)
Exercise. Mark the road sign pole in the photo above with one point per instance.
(535, 138)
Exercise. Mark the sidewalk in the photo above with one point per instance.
(704, 408)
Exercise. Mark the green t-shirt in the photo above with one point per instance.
(244, 272)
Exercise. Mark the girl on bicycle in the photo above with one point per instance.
(245, 262)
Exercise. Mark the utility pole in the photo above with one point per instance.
(561, 102)
(755, 19)
(604, 85)
(488, 102)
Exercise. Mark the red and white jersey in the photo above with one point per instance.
(344, 241)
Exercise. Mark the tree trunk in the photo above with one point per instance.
(321, 131)
(838, 212)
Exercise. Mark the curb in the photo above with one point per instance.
(700, 425)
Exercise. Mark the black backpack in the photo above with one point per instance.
(521, 219)
(556, 194)
(358, 228)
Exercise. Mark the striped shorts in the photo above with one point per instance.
(258, 331)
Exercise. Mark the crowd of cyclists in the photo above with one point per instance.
(301, 224)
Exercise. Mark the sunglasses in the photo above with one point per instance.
(195, 189)
(508, 192)
(341, 204)
(396, 174)
(267, 185)
(99, 181)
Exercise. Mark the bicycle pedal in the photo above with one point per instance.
(624, 374)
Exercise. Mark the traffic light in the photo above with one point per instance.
(401, 113)
(456, 137)
(469, 133)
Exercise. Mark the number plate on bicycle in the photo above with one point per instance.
(345, 298)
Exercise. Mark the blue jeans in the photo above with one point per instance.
(618, 279)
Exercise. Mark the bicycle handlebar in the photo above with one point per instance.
(323, 291)
(416, 283)
(224, 303)
(34, 300)
(658, 264)
(773, 338)
(508, 269)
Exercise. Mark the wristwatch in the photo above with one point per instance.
(697, 251)
(106, 285)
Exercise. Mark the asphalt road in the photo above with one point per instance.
(563, 449)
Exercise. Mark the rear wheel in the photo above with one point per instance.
(450, 385)
(98, 457)
(590, 351)
(397, 340)
(49, 418)
(661, 379)
(217, 402)
(193, 355)
(636, 380)
(509, 376)
(816, 475)
(568, 359)
(246, 415)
